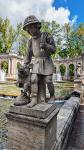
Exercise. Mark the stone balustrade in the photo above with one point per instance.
(65, 121)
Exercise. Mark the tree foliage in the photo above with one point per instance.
(74, 41)
(71, 70)
(22, 40)
(4, 66)
(7, 35)
(62, 69)
(55, 30)
(69, 40)
(10, 37)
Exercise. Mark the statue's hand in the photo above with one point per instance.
(43, 45)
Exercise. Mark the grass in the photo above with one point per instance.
(9, 89)
(4, 107)
(61, 89)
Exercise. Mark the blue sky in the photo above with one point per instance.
(62, 11)
(76, 8)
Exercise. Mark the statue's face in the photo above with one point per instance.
(33, 29)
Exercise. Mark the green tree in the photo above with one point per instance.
(45, 26)
(80, 38)
(7, 35)
(55, 30)
(62, 69)
(71, 70)
(22, 40)
(4, 66)
(1, 46)
(63, 53)
(74, 41)
(67, 47)
(10, 37)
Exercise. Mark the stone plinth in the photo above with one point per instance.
(77, 85)
(82, 93)
(32, 128)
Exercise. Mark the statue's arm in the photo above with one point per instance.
(28, 56)
(47, 43)
(50, 45)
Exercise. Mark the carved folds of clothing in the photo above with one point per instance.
(42, 62)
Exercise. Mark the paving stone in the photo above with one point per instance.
(77, 136)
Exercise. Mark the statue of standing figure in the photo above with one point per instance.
(40, 47)
(79, 70)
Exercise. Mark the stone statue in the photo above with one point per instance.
(40, 47)
(79, 70)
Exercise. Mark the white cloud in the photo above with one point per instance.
(18, 10)
(61, 15)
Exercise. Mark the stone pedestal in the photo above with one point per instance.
(82, 93)
(82, 87)
(32, 128)
(77, 85)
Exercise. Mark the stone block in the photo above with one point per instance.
(32, 132)
(38, 111)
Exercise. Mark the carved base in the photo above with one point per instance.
(32, 128)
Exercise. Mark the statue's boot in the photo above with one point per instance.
(33, 102)
(34, 95)
(41, 91)
(23, 99)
